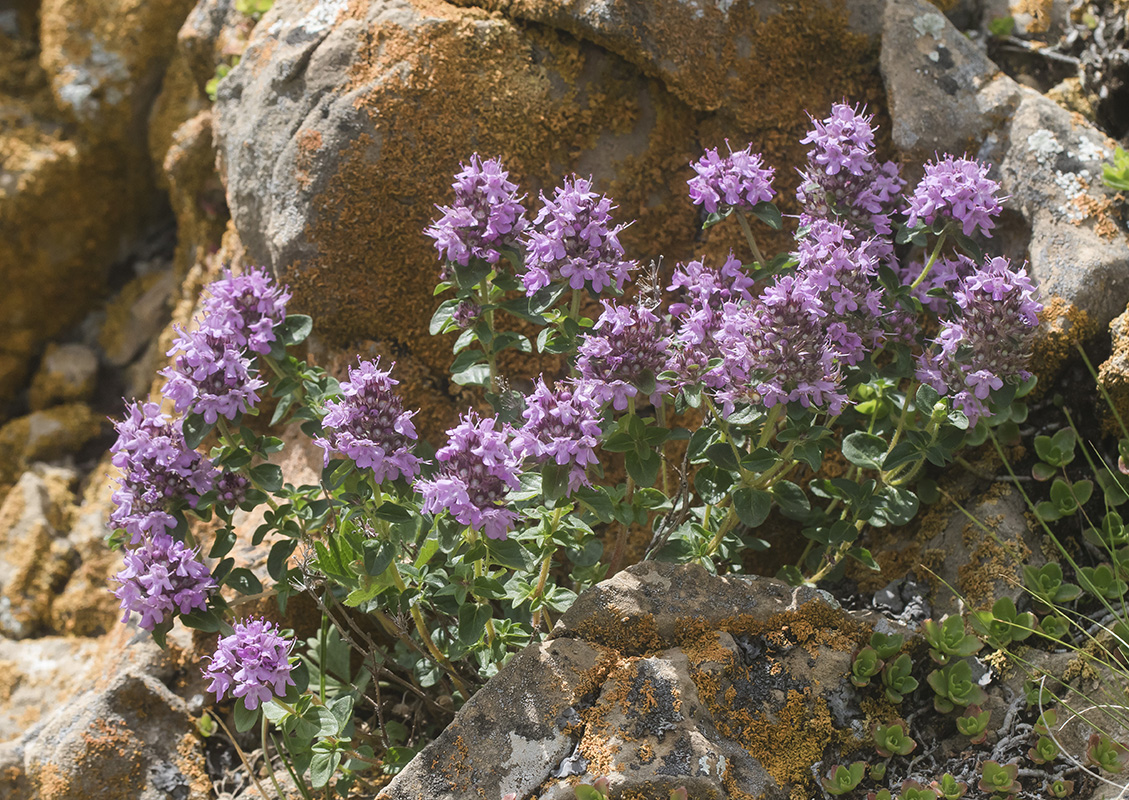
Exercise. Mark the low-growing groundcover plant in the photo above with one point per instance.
(717, 391)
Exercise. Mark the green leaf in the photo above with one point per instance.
(442, 316)
(322, 767)
(279, 553)
(426, 552)
(864, 449)
(643, 467)
(196, 430)
(712, 483)
(752, 506)
(472, 622)
(225, 540)
(769, 214)
(245, 719)
(243, 581)
(476, 375)
(267, 477)
(792, 500)
(378, 556)
(392, 512)
(294, 329)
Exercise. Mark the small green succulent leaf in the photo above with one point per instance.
(892, 740)
(1054, 627)
(865, 666)
(844, 779)
(949, 787)
(953, 686)
(888, 645)
(998, 778)
(1044, 751)
(1060, 788)
(1103, 752)
(897, 680)
(973, 723)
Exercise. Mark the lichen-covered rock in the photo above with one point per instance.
(66, 374)
(343, 123)
(125, 736)
(945, 95)
(75, 93)
(35, 556)
(660, 677)
(45, 435)
(1114, 372)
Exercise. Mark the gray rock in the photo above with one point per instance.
(945, 95)
(67, 373)
(660, 677)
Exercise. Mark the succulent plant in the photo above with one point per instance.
(843, 779)
(866, 665)
(1103, 582)
(911, 790)
(1046, 584)
(1055, 627)
(953, 686)
(1003, 624)
(892, 740)
(1066, 499)
(998, 779)
(949, 787)
(897, 680)
(1105, 753)
(947, 639)
(887, 645)
(1044, 751)
(1060, 788)
(973, 723)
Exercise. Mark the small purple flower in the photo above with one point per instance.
(562, 426)
(157, 470)
(843, 180)
(779, 351)
(988, 342)
(945, 274)
(255, 660)
(211, 375)
(842, 268)
(369, 425)
(161, 577)
(740, 180)
(466, 313)
(628, 346)
(477, 469)
(573, 240)
(486, 217)
(231, 489)
(957, 189)
(245, 308)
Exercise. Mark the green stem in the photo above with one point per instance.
(726, 526)
(574, 305)
(904, 416)
(323, 648)
(770, 424)
(749, 237)
(932, 258)
(726, 435)
(429, 643)
(242, 757)
(266, 759)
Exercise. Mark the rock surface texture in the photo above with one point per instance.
(663, 676)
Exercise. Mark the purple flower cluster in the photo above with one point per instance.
(628, 346)
(255, 659)
(369, 425)
(843, 178)
(843, 270)
(739, 180)
(486, 217)
(709, 298)
(573, 240)
(988, 342)
(213, 373)
(162, 576)
(958, 189)
(562, 426)
(157, 470)
(478, 467)
(779, 351)
(945, 274)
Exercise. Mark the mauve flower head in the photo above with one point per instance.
(988, 341)
(231, 488)
(739, 180)
(945, 275)
(779, 351)
(255, 660)
(244, 309)
(369, 425)
(486, 217)
(466, 313)
(628, 346)
(574, 240)
(842, 267)
(958, 189)
(843, 179)
(477, 468)
(211, 375)
(563, 426)
(157, 469)
(161, 577)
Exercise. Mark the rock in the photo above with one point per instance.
(342, 125)
(38, 676)
(1114, 372)
(35, 557)
(128, 736)
(944, 94)
(75, 93)
(136, 316)
(44, 436)
(660, 677)
(67, 374)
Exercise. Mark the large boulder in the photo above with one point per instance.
(663, 676)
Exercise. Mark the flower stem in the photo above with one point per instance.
(574, 305)
(266, 758)
(932, 258)
(770, 425)
(726, 526)
(242, 757)
(421, 628)
(749, 237)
